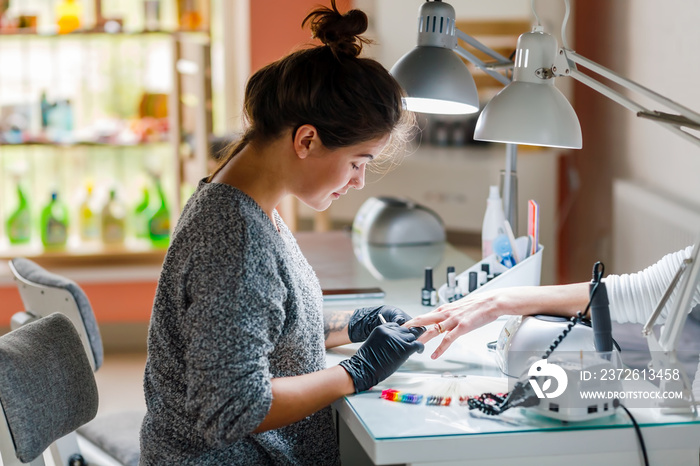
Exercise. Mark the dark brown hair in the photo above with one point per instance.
(348, 99)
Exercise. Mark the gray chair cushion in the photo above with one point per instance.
(47, 388)
(34, 273)
(117, 434)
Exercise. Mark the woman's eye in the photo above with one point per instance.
(355, 167)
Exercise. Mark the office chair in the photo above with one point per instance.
(42, 293)
(47, 390)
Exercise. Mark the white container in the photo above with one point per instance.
(493, 221)
(527, 272)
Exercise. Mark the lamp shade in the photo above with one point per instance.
(436, 80)
(531, 110)
(531, 114)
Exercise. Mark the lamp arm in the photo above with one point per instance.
(686, 280)
(631, 85)
(510, 192)
(488, 68)
(677, 316)
(483, 48)
(565, 65)
(664, 354)
(646, 330)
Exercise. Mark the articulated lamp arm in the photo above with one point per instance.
(501, 62)
(664, 356)
(510, 193)
(565, 65)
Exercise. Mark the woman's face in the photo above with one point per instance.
(329, 174)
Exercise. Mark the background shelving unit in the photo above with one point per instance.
(107, 108)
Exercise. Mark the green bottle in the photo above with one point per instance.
(54, 223)
(141, 215)
(19, 227)
(113, 220)
(159, 223)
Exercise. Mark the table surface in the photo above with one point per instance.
(392, 432)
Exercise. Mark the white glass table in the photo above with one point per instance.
(376, 431)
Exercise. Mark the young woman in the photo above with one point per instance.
(236, 369)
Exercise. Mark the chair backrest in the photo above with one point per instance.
(47, 387)
(44, 293)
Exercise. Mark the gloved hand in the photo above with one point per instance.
(386, 349)
(365, 319)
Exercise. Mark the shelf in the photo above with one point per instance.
(81, 144)
(97, 33)
(132, 252)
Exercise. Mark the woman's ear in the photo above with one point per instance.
(306, 140)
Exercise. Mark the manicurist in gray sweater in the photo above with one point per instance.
(236, 349)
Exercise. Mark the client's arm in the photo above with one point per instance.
(632, 297)
(478, 309)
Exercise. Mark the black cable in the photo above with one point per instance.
(639, 433)
(488, 403)
(573, 321)
(598, 272)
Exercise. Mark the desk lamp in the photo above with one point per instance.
(530, 110)
(436, 81)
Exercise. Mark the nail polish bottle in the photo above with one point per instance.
(428, 293)
(473, 281)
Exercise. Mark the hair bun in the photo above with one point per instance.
(340, 32)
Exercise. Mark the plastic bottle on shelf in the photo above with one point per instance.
(159, 223)
(493, 221)
(68, 13)
(54, 223)
(113, 220)
(89, 220)
(19, 226)
(190, 14)
(140, 217)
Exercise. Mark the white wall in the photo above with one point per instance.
(663, 43)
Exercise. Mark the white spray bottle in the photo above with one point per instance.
(493, 220)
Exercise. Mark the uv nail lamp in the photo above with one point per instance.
(524, 339)
(397, 238)
(390, 221)
(519, 350)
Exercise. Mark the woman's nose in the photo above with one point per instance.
(358, 181)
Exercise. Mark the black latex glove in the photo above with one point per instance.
(386, 349)
(365, 319)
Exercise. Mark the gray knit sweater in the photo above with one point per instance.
(237, 304)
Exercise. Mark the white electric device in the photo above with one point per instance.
(524, 337)
(569, 405)
(393, 221)
(397, 238)
(519, 350)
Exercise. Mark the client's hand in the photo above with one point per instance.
(365, 319)
(463, 316)
(386, 349)
(478, 309)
